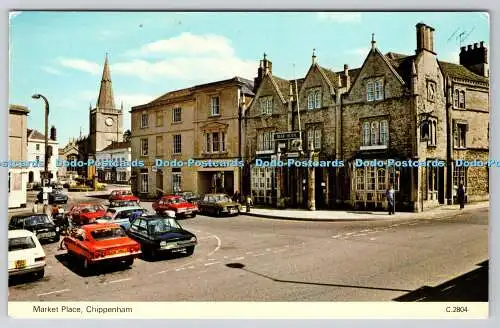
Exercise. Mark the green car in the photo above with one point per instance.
(218, 204)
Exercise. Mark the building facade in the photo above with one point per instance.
(18, 177)
(118, 152)
(393, 109)
(197, 124)
(36, 152)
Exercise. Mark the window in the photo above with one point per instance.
(215, 106)
(375, 133)
(176, 114)
(159, 118)
(360, 179)
(176, 182)
(456, 97)
(143, 181)
(265, 140)
(461, 102)
(222, 141)
(375, 90)
(314, 98)
(266, 105)
(262, 179)
(433, 140)
(122, 176)
(37, 146)
(459, 176)
(460, 135)
(370, 178)
(370, 96)
(159, 145)
(425, 133)
(379, 90)
(37, 158)
(366, 134)
(432, 179)
(177, 144)
(215, 142)
(144, 120)
(144, 147)
(314, 136)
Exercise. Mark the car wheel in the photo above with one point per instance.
(217, 212)
(189, 250)
(40, 274)
(57, 238)
(87, 266)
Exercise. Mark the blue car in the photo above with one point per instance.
(122, 215)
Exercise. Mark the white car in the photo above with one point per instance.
(26, 254)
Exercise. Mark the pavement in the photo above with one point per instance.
(333, 216)
(246, 258)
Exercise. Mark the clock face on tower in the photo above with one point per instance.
(109, 121)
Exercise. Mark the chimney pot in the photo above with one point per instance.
(346, 67)
(463, 49)
(475, 45)
(481, 44)
(469, 47)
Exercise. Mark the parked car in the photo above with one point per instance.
(123, 195)
(190, 196)
(218, 204)
(101, 243)
(40, 224)
(179, 205)
(121, 215)
(158, 234)
(55, 197)
(85, 213)
(121, 203)
(26, 255)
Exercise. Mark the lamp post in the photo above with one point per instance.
(424, 138)
(312, 181)
(46, 161)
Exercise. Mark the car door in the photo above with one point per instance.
(14, 223)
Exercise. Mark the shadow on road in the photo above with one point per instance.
(75, 266)
(469, 287)
(242, 267)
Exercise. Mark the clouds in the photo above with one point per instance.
(51, 70)
(186, 57)
(340, 17)
(80, 65)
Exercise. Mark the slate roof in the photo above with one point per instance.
(117, 145)
(460, 72)
(34, 134)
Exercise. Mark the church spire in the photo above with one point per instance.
(106, 99)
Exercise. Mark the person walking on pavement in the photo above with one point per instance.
(236, 196)
(389, 194)
(461, 196)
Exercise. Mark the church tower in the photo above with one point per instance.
(106, 121)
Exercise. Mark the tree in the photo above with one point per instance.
(127, 135)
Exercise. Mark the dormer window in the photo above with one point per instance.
(266, 105)
(314, 98)
(375, 90)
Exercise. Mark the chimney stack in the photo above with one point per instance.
(425, 38)
(475, 58)
(53, 133)
(265, 67)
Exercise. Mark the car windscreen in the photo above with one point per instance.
(163, 225)
(35, 220)
(177, 200)
(16, 244)
(108, 233)
(221, 198)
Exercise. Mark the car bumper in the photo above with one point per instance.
(177, 246)
(30, 269)
(187, 213)
(117, 257)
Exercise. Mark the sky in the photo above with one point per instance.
(61, 54)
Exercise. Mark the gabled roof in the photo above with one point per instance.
(461, 72)
(34, 134)
(117, 145)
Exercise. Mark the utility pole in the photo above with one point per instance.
(312, 181)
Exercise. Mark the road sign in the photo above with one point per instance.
(45, 182)
(286, 135)
(47, 189)
(292, 155)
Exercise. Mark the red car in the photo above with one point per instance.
(179, 205)
(102, 243)
(85, 213)
(123, 195)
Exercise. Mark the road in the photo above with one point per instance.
(255, 259)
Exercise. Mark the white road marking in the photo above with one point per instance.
(349, 233)
(366, 230)
(336, 236)
(119, 280)
(259, 254)
(219, 243)
(360, 234)
(211, 263)
(245, 253)
(54, 292)
(372, 238)
(160, 272)
(191, 267)
(238, 258)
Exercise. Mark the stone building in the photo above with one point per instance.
(199, 123)
(408, 108)
(36, 152)
(119, 152)
(18, 176)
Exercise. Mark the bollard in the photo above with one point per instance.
(248, 204)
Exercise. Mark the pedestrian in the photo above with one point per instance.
(389, 194)
(461, 196)
(236, 196)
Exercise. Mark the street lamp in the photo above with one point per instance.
(424, 122)
(46, 162)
